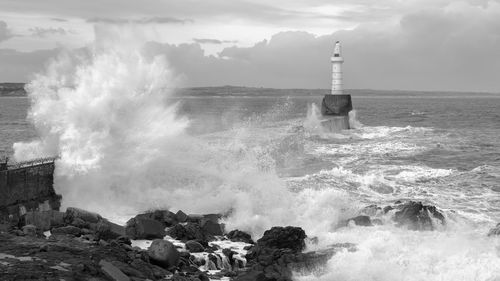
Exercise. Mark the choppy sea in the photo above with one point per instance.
(441, 149)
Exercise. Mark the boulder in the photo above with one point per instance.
(360, 220)
(163, 253)
(112, 272)
(211, 228)
(416, 216)
(194, 247)
(44, 220)
(107, 230)
(181, 216)
(494, 231)
(239, 236)
(253, 275)
(73, 213)
(283, 238)
(66, 230)
(29, 230)
(189, 231)
(143, 228)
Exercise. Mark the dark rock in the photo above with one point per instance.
(212, 228)
(416, 216)
(494, 231)
(124, 240)
(107, 230)
(143, 228)
(283, 238)
(370, 210)
(194, 247)
(181, 216)
(252, 276)
(67, 230)
(128, 270)
(163, 253)
(387, 209)
(361, 221)
(29, 230)
(73, 213)
(190, 231)
(78, 222)
(112, 272)
(239, 236)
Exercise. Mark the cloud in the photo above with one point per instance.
(44, 32)
(212, 41)
(20, 66)
(435, 49)
(5, 32)
(59, 19)
(158, 20)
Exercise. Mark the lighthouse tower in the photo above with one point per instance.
(336, 105)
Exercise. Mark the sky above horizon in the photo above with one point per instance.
(445, 45)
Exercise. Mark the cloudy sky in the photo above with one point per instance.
(451, 45)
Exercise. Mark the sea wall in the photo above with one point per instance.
(27, 188)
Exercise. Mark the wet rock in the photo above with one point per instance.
(361, 221)
(66, 230)
(283, 238)
(128, 270)
(387, 209)
(212, 228)
(73, 213)
(143, 228)
(416, 216)
(112, 272)
(189, 231)
(181, 216)
(494, 231)
(163, 253)
(239, 236)
(29, 230)
(194, 247)
(253, 275)
(107, 230)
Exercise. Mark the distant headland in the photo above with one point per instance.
(17, 90)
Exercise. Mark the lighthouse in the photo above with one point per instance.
(336, 105)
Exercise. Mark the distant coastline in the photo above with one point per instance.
(17, 90)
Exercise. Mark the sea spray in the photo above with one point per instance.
(105, 111)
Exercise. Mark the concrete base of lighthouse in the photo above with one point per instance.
(335, 110)
(335, 123)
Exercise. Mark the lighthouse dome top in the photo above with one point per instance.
(337, 49)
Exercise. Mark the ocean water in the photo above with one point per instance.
(443, 150)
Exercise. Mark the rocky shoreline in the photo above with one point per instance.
(162, 245)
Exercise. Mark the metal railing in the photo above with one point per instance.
(31, 163)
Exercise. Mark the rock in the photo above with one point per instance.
(29, 230)
(212, 228)
(78, 222)
(283, 238)
(107, 230)
(143, 228)
(416, 216)
(67, 230)
(239, 236)
(361, 221)
(495, 230)
(181, 216)
(194, 247)
(252, 276)
(163, 253)
(44, 220)
(112, 272)
(73, 213)
(128, 270)
(190, 231)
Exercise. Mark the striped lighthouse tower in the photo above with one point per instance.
(336, 105)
